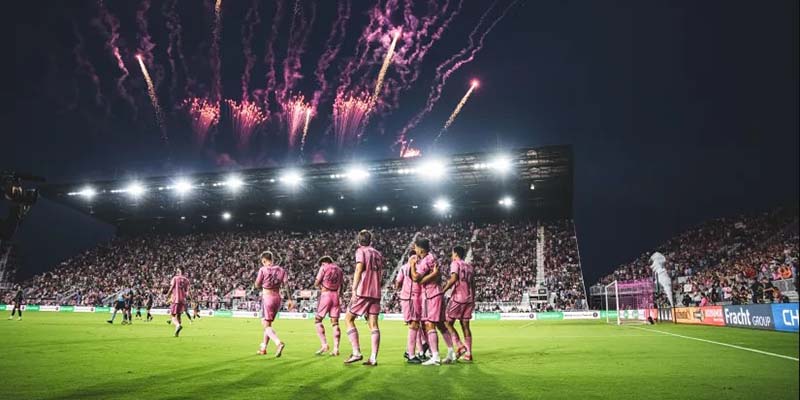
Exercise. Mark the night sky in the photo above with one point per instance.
(678, 111)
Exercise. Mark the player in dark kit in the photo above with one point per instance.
(17, 304)
(195, 309)
(138, 300)
(127, 304)
(149, 305)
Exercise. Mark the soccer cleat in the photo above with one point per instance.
(262, 352)
(370, 363)
(178, 331)
(460, 352)
(354, 358)
(19, 319)
(449, 360)
(426, 350)
(467, 357)
(321, 351)
(109, 321)
(432, 361)
(335, 353)
(405, 355)
(279, 350)
(414, 360)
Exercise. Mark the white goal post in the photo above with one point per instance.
(627, 302)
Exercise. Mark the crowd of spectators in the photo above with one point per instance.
(727, 260)
(222, 265)
(563, 274)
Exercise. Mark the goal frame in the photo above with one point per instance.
(616, 300)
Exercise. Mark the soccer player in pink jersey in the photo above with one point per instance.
(462, 301)
(329, 281)
(411, 306)
(366, 298)
(177, 295)
(425, 270)
(271, 280)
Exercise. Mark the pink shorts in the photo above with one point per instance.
(177, 308)
(270, 305)
(412, 309)
(365, 305)
(432, 310)
(459, 311)
(328, 305)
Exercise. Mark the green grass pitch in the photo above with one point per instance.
(79, 356)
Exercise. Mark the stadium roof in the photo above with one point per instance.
(476, 185)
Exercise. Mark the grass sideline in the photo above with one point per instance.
(79, 356)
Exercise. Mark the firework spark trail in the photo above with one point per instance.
(246, 116)
(203, 115)
(332, 47)
(173, 24)
(349, 115)
(472, 86)
(151, 90)
(305, 130)
(451, 65)
(108, 24)
(83, 63)
(248, 29)
(296, 111)
(435, 36)
(385, 67)
(298, 37)
(269, 52)
(216, 84)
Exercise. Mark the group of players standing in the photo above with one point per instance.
(421, 298)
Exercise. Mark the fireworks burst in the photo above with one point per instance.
(246, 116)
(297, 113)
(349, 113)
(460, 105)
(151, 90)
(409, 152)
(203, 115)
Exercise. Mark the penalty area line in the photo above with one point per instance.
(720, 343)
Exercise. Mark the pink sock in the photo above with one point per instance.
(433, 341)
(376, 344)
(412, 341)
(468, 343)
(337, 335)
(175, 321)
(456, 339)
(272, 335)
(266, 338)
(447, 340)
(352, 334)
(321, 334)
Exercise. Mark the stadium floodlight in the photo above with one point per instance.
(501, 164)
(291, 177)
(135, 190)
(506, 202)
(233, 183)
(433, 169)
(88, 192)
(441, 205)
(182, 186)
(329, 211)
(357, 174)
(533, 187)
(277, 213)
(226, 216)
(382, 209)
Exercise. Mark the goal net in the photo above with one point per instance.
(626, 302)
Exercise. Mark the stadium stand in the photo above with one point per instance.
(740, 260)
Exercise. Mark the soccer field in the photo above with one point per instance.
(79, 356)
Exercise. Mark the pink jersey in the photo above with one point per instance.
(404, 278)
(462, 290)
(330, 276)
(370, 284)
(272, 277)
(424, 267)
(180, 289)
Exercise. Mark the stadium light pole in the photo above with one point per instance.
(442, 205)
(291, 178)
